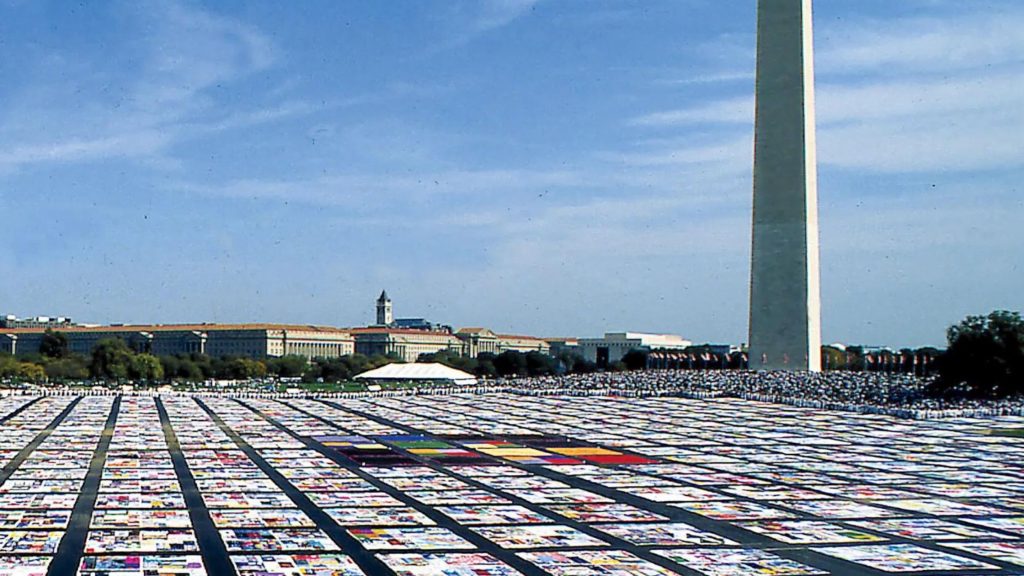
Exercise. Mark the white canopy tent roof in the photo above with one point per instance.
(432, 372)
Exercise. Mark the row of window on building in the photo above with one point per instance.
(260, 341)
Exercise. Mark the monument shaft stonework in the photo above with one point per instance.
(785, 301)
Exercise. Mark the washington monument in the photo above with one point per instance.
(785, 301)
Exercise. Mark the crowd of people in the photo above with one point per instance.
(871, 392)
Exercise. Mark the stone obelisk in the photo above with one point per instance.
(785, 300)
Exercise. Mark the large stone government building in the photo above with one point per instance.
(408, 344)
(388, 337)
(250, 340)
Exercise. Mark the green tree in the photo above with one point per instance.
(583, 366)
(357, 363)
(182, 367)
(111, 359)
(291, 366)
(8, 366)
(204, 363)
(240, 369)
(378, 360)
(145, 367)
(635, 359)
(485, 367)
(54, 344)
(330, 370)
(985, 357)
(225, 368)
(31, 372)
(64, 369)
(256, 368)
(540, 364)
(511, 363)
(451, 359)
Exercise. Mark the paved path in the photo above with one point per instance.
(69, 553)
(211, 546)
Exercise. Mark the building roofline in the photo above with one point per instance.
(520, 337)
(385, 330)
(179, 328)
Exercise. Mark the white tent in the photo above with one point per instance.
(419, 372)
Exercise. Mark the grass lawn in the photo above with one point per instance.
(328, 387)
(1013, 432)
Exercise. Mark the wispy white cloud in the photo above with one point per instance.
(700, 172)
(124, 145)
(384, 192)
(872, 100)
(886, 102)
(692, 173)
(730, 111)
(708, 78)
(971, 39)
(186, 52)
(192, 50)
(467, 22)
(921, 96)
(493, 14)
(960, 141)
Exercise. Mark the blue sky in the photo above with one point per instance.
(552, 168)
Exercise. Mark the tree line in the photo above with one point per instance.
(507, 363)
(985, 358)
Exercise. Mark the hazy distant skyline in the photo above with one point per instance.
(553, 168)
